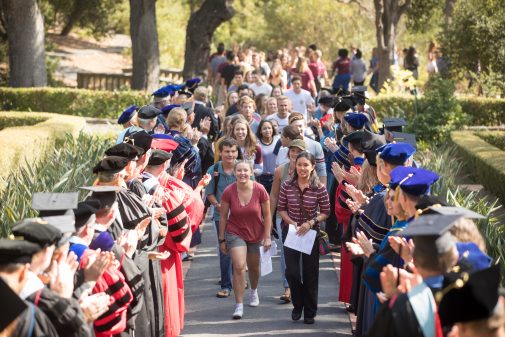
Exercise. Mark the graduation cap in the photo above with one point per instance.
(412, 180)
(17, 251)
(125, 150)
(111, 164)
(326, 100)
(140, 139)
(356, 120)
(342, 105)
(471, 258)
(396, 153)
(148, 112)
(37, 231)
(452, 210)
(355, 138)
(402, 137)
(12, 305)
(359, 88)
(164, 142)
(192, 83)
(103, 241)
(431, 234)
(166, 91)
(394, 124)
(166, 109)
(470, 297)
(50, 204)
(185, 92)
(127, 114)
(159, 157)
(106, 195)
(85, 212)
(370, 142)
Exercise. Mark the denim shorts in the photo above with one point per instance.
(233, 241)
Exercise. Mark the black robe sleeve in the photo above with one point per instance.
(35, 321)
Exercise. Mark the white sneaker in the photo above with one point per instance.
(239, 311)
(254, 300)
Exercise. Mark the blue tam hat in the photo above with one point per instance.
(104, 241)
(414, 181)
(192, 82)
(165, 110)
(127, 114)
(167, 90)
(356, 120)
(396, 153)
(472, 257)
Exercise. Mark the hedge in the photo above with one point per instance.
(77, 102)
(28, 143)
(483, 111)
(495, 138)
(485, 161)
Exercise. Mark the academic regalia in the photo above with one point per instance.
(152, 313)
(65, 314)
(343, 215)
(177, 241)
(375, 222)
(35, 321)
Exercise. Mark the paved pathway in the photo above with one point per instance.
(207, 315)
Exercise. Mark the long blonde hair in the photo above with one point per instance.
(250, 139)
(368, 178)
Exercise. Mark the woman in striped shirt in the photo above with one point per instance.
(303, 202)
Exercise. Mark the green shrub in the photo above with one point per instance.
(495, 138)
(448, 164)
(27, 143)
(481, 111)
(438, 113)
(10, 119)
(78, 102)
(483, 160)
(63, 169)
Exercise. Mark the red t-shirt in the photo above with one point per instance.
(342, 66)
(246, 221)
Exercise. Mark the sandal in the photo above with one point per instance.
(223, 293)
(286, 297)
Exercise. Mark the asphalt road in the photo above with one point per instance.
(207, 315)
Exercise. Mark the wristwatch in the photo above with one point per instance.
(316, 221)
(222, 241)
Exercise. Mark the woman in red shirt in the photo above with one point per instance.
(245, 222)
(341, 68)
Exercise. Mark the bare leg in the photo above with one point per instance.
(238, 260)
(253, 263)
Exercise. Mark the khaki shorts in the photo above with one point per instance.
(233, 241)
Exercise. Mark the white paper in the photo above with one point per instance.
(300, 243)
(266, 259)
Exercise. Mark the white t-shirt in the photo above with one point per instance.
(300, 101)
(283, 122)
(264, 88)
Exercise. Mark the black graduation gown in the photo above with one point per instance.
(396, 320)
(152, 314)
(34, 320)
(65, 314)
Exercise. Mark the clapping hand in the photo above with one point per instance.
(365, 243)
(331, 144)
(128, 241)
(354, 206)
(205, 125)
(158, 256)
(354, 248)
(355, 194)
(94, 306)
(95, 267)
(61, 274)
(402, 247)
(337, 171)
(352, 176)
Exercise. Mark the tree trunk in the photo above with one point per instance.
(387, 16)
(25, 35)
(449, 8)
(75, 15)
(145, 50)
(201, 26)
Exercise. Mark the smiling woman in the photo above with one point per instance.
(245, 222)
